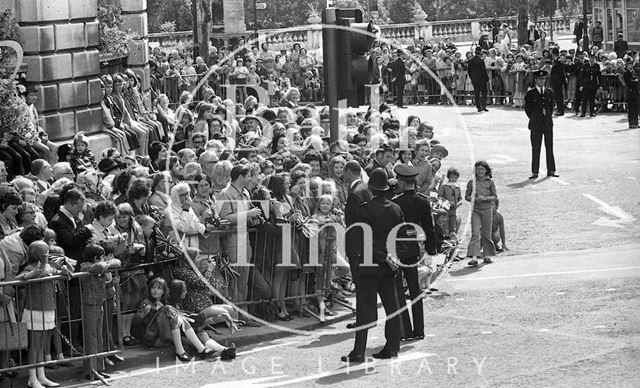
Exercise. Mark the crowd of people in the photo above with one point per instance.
(188, 175)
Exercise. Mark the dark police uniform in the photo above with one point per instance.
(382, 215)
(590, 76)
(539, 109)
(417, 210)
(631, 80)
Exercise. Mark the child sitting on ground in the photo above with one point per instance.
(497, 228)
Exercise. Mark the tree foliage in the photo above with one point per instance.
(14, 116)
(8, 31)
(112, 40)
(163, 11)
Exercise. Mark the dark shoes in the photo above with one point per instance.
(473, 263)
(129, 341)
(101, 373)
(633, 126)
(228, 353)
(353, 358)
(552, 174)
(184, 357)
(206, 353)
(582, 115)
(351, 325)
(533, 176)
(485, 109)
(385, 354)
(487, 260)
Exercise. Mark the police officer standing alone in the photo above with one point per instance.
(538, 104)
(417, 210)
(382, 216)
(631, 81)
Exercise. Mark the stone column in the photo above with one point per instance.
(60, 39)
(234, 17)
(134, 20)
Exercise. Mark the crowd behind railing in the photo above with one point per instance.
(158, 220)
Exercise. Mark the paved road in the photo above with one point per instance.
(559, 309)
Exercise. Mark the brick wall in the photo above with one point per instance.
(234, 17)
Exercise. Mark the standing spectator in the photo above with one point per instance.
(398, 71)
(578, 31)
(590, 83)
(532, 35)
(478, 74)
(597, 34)
(234, 206)
(558, 80)
(621, 46)
(539, 108)
(481, 192)
(631, 81)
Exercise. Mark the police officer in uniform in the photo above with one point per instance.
(417, 210)
(590, 77)
(631, 81)
(382, 216)
(538, 104)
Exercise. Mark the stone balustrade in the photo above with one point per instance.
(310, 36)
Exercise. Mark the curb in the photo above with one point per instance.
(139, 356)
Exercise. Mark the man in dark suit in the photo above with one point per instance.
(590, 82)
(398, 71)
(632, 81)
(538, 104)
(375, 275)
(558, 80)
(532, 35)
(72, 236)
(417, 210)
(477, 71)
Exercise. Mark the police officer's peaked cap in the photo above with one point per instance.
(540, 73)
(378, 180)
(404, 171)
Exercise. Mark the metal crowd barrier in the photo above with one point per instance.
(73, 333)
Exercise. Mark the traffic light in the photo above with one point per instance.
(346, 56)
(351, 44)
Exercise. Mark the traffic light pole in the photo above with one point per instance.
(330, 62)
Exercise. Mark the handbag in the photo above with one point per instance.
(13, 335)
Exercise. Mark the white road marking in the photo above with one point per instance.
(565, 183)
(501, 159)
(621, 216)
(600, 327)
(610, 289)
(542, 274)
(459, 299)
(544, 330)
(560, 293)
(169, 367)
(485, 332)
(429, 335)
(343, 370)
(510, 297)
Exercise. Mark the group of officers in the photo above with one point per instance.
(372, 204)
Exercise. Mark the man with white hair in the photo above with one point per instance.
(208, 160)
(63, 170)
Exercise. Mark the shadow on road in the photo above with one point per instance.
(527, 182)
(465, 271)
(327, 340)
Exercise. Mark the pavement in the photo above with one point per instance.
(558, 309)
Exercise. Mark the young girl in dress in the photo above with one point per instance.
(159, 323)
(40, 310)
(451, 192)
(326, 247)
